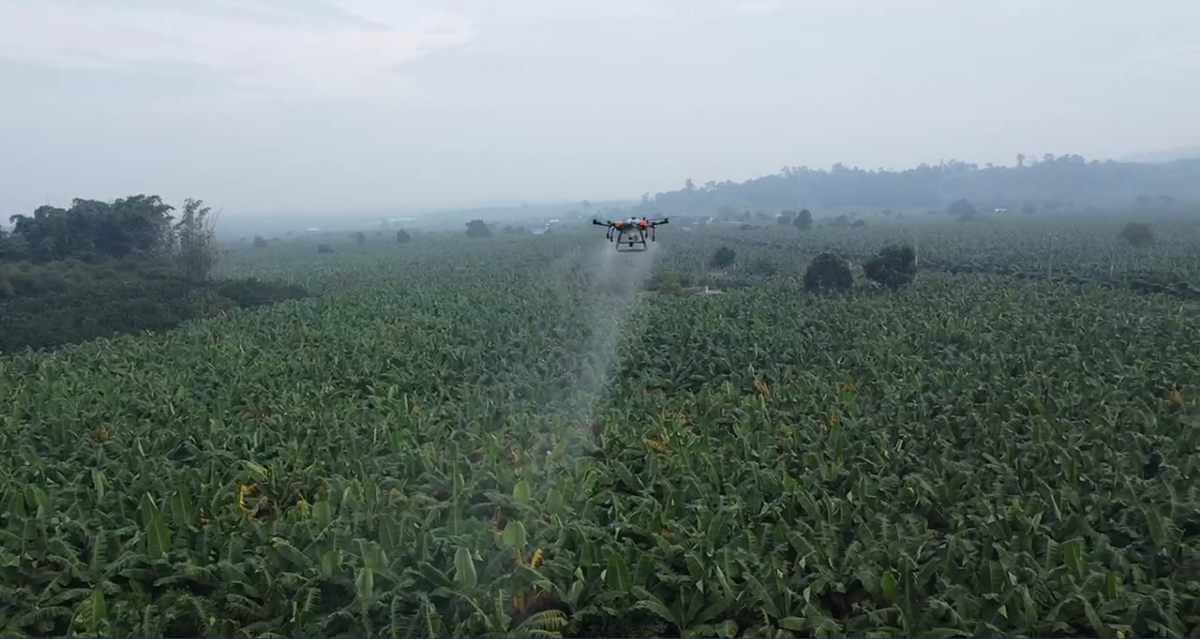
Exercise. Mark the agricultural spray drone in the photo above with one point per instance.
(630, 235)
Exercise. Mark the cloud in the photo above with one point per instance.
(758, 6)
(1183, 54)
(273, 51)
(533, 11)
(269, 49)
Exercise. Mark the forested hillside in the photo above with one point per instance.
(1050, 183)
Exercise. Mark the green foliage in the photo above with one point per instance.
(102, 269)
(828, 272)
(478, 228)
(7, 250)
(893, 266)
(50, 305)
(1138, 234)
(359, 237)
(666, 282)
(803, 220)
(723, 258)
(251, 292)
(671, 285)
(403, 237)
(197, 245)
(91, 229)
(324, 248)
(763, 266)
(260, 241)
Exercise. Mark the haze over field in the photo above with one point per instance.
(334, 105)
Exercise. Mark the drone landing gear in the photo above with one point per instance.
(631, 245)
(632, 242)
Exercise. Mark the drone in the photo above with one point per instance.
(630, 234)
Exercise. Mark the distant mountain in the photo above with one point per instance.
(1067, 181)
(1162, 157)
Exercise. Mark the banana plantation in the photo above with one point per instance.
(522, 436)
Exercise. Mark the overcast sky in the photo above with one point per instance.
(276, 105)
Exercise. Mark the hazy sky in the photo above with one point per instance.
(270, 105)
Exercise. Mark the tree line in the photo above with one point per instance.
(139, 226)
(98, 269)
(1049, 183)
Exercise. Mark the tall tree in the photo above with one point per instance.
(197, 244)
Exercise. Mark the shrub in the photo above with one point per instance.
(828, 272)
(894, 266)
(963, 209)
(1138, 234)
(670, 284)
(722, 258)
(478, 228)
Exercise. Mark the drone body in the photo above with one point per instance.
(630, 235)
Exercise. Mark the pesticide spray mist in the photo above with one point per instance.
(613, 281)
(601, 287)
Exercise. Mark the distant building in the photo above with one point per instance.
(541, 230)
